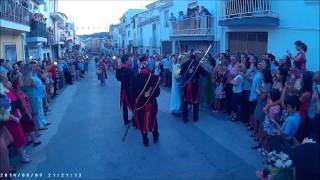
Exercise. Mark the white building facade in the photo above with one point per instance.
(257, 26)
(270, 26)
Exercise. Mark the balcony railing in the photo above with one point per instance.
(11, 11)
(38, 29)
(201, 25)
(235, 9)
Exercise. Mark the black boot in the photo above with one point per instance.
(195, 112)
(145, 140)
(155, 137)
(133, 123)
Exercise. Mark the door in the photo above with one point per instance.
(254, 42)
(10, 53)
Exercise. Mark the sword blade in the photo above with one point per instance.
(125, 134)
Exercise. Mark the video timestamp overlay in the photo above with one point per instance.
(41, 175)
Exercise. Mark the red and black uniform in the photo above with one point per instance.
(191, 71)
(145, 90)
(125, 75)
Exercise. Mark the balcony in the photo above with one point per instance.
(57, 16)
(14, 16)
(199, 28)
(38, 32)
(40, 1)
(248, 13)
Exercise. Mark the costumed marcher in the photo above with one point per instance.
(102, 72)
(124, 75)
(191, 71)
(145, 90)
(175, 100)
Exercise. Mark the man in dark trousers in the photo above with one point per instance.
(124, 74)
(191, 71)
(145, 90)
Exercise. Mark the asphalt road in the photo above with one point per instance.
(86, 139)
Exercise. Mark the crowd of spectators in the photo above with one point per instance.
(278, 100)
(196, 18)
(26, 90)
(38, 17)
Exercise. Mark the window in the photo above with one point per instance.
(166, 18)
(10, 52)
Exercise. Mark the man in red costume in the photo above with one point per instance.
(125, 75)
(145, 90)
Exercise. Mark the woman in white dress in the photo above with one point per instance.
(175, 100)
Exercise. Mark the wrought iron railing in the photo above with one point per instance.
(38, 29)
(12, 11)
(232, 9)
(200, 25)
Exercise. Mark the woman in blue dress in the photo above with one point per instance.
(175, 100)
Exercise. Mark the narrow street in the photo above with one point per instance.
(86, 137)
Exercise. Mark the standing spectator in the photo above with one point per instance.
(166, 64)
(54, 76)
(237, 89)
(220, 75)
(173, 21)
(262, 92)
(300, 59)
(305, 100)
(39, 93)
(60, 67)
(3, 69)
(5, 136)
(256, 82)
(233, 72)
(27, 120)
(14, 125)
(313, 120)
(151, 63)
(157, 70)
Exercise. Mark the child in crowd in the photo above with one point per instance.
(289, 128)
(237, 89)
(274, 113)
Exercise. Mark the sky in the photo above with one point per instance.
(92, 16)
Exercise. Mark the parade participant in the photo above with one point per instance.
(175, 100)
(191, 71)
(145, 90)
(124, 75)
(102, 73)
